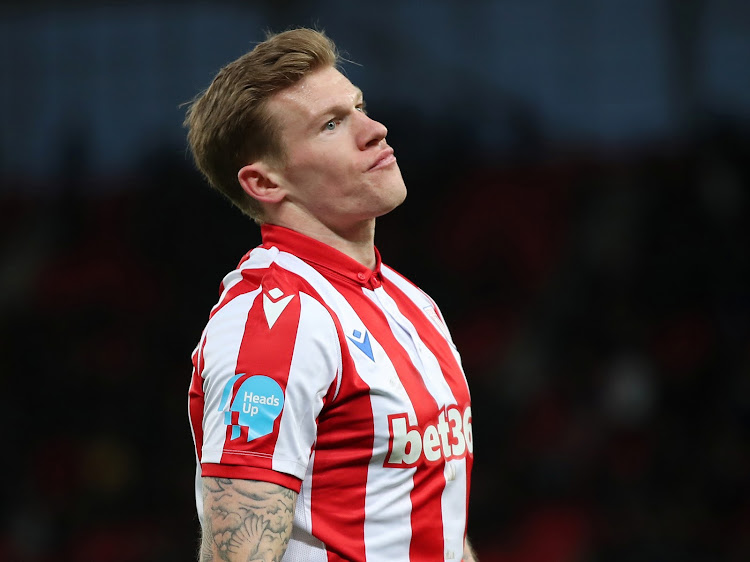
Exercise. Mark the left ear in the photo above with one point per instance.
(260, 182)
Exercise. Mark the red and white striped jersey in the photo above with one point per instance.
(343, 384)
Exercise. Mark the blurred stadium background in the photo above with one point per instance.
(579, 176)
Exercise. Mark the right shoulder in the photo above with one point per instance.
(258, 272)
(266, 305)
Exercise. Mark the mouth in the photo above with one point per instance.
(384, 159)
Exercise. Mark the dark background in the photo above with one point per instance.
(579, 176)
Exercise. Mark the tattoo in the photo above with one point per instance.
(207, 550)
(245, 520)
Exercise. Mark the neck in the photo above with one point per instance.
(356, 241)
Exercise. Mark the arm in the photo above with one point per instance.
(245, 520)
(469, 554)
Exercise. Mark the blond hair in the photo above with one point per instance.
(228, 125)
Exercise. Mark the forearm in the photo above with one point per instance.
(245, 520)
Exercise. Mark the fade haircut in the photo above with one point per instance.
(229, 125)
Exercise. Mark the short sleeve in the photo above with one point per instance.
(269, 358)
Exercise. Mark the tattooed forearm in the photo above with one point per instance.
(245, 520)
(207, 540)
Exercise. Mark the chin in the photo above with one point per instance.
(392, 203)
(401, 193)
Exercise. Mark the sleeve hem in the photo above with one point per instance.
(252, 473)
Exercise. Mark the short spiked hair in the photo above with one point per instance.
(229, 125)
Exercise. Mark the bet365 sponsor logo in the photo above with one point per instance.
(449, 438)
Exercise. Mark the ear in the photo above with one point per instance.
(260, 182)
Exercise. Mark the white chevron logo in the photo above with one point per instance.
(274, 308)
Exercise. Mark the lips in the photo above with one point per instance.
(384, 159)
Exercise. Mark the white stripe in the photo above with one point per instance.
(453, 496)
(387, 526)
(420, 355)
(224, 334)
(198, 480)
(199, 491)
(388, 536)
(303, 509)
(421, 299)
(453, 503)
(453, 500)
(259, 258)
(312, 370)
(303, 547)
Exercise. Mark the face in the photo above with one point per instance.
(339, 171)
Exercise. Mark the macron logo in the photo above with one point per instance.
(274, 305)
(362, 341)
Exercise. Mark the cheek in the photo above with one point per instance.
(333, 172)
(327, 167)
(303, 169)
(313, 163)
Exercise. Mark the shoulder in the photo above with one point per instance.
(261, 271)
(266, 312)
(269, 286)
(418, 297)
(406, 286)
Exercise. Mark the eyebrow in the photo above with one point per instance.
(335, 108)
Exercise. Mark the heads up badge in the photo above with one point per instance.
(255, 405)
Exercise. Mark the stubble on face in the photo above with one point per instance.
(331, 146)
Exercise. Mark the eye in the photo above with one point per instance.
(331, 125)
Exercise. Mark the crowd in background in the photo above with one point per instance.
(601, 303)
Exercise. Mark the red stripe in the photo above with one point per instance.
(238, 289)
(435, 342)
(469, 463)
(252, 473)
(196, 399)
(343, 451)
(342, 454)
(426, 496)
(339, 484)
(263, 352)
(452, 371)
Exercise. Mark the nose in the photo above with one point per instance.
(371, 133)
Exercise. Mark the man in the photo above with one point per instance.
(330, 413)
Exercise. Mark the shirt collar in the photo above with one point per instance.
(321, 255)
